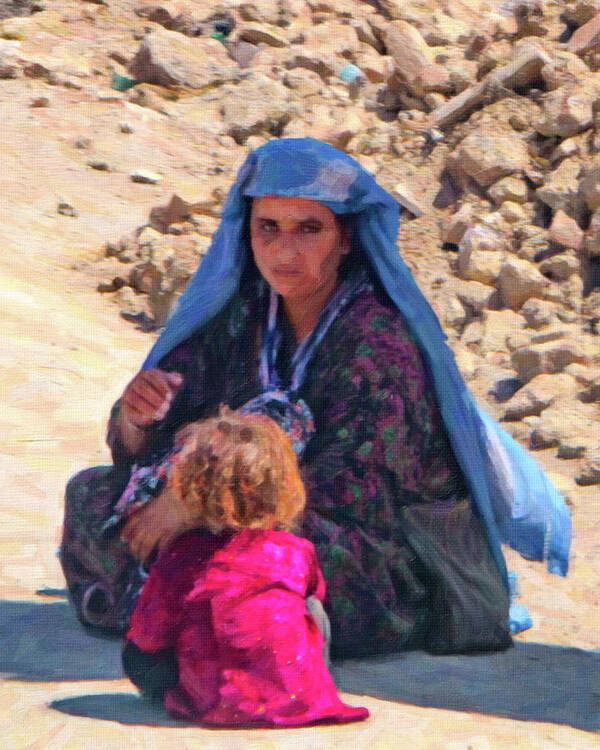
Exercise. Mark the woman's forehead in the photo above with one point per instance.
(290, 208)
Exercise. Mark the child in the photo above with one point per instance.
(229, 602)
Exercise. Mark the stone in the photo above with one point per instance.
(532, 242)
(256, 33)
(513, 212)
(581, 12)
(586, 37)
(518, 280)
(167, 58)
(590, 184)
(565, 231)
(145, 177)
(565, 68)
(377, 68)
(257, 105)
(473, 295)
(549, 357)
(454, 314)
(481, 254)
(413, 59)
(66, 208)
(472, 335)
(509, 189)
(538, 313)
(522, 71)
(589, 473)
(262, 11)
(560, 267)
(537, 395)
(453, 227)
(318, 60)
(566, 111)
(490, 153)
(406, 198)
(561, 188)
(592, 236)
(575, 447)
(498, 325)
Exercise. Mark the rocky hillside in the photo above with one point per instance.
(483, 118)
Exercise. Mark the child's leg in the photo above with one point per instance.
(152, 674)
(316, 609)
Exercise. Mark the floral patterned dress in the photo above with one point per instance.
(406, 561)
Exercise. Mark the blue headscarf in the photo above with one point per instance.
(516, 502)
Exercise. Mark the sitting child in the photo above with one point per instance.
(220, 631)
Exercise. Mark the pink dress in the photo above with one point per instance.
(233, 608)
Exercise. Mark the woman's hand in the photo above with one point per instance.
(156, 525)
(146, 400)
(149, 395)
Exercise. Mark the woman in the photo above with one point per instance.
(303, 299)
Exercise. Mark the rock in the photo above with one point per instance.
(66, 208)
(590, 184)
(40, 101)
(125, 127)
(454, 314)
(592, 237)
(405, 197)
(581, 12)
(509, 189)
(497, 326)
(99, 164)
(472, 335)
(520, 72)
(504, 388)
(538, 395)
(566, 112)
(256, 106)
(513, 213)
(538, 313)
(454, 227)
(565, 231)
(256, 33)
(166, 58)
(318, 60)
(481, 254)
(574, 146)
(590, 471)
(565, 68)
(560, 267)
(586, 37)
(532, 241)
(377, 68)
(519, 280)
(127, 300)
(413, 59)
(490, 153)
(145, 177)
(561, 188)
(549, 357)
(570, 448)
(473, 295)
(263, 11)
(9, 70)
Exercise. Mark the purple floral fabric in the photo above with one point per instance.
(407, 563)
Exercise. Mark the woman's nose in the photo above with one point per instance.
(286, 246)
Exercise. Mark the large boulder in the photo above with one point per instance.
(167, 58)
(548, 357)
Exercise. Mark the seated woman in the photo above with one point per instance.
(303, 297)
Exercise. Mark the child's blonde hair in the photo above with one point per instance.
(238, 471)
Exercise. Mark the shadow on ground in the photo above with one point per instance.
(532, 681)
(122, 707)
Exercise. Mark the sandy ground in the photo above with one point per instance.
(65, 357)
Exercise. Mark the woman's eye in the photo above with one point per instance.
(310, 228)
(268, 226)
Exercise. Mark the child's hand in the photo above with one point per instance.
(156, 525)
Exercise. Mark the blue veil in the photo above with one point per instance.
(518, 505)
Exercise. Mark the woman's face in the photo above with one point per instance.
(297, 244)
